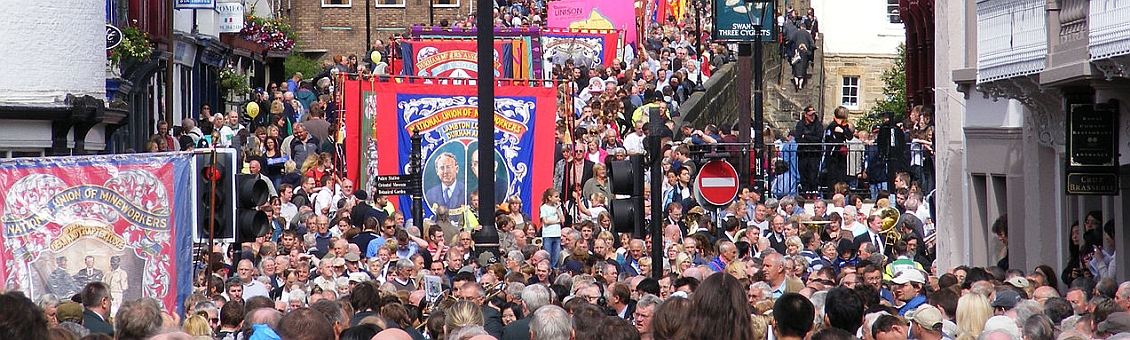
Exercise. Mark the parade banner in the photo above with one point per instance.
(584, 47)
(452, 59)
(122, 219)
(595, 14)
(526, 43)
(447, 118)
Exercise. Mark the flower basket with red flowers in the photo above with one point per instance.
(274, 34)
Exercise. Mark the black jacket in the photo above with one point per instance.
(517, 330)
(95, 324)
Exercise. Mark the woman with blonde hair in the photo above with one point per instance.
(972, 311)
(197, 325)
(310, 163)
(645, 266)
(793, 246)
(462, 313)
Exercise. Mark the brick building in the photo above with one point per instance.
(329, 27)
(860, 41)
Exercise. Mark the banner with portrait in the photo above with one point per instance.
(124, 220)
(452, 59)
(585, 47)
(447, 117)
(525, 42)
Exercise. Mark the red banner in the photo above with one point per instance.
(452, 58)
(446, 114)
(122, 220)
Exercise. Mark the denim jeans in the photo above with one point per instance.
(553, 246)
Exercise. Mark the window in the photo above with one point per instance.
(893, 12)
(445, 3)
(390, 3)
(849, 92)
(337, 3)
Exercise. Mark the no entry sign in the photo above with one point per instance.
(717, 182)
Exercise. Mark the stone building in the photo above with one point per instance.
(860, 40)
(1011, 76)
(329, 27)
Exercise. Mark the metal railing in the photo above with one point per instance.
(816, 169)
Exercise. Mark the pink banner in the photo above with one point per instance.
(595, 14)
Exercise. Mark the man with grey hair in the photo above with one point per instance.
(404, 279)
(534, 297)
(570, 238)
(514, 261)
(251, 287)
(551, 323)
(300, 144)
(645, 310)
(192, 131)
(261, 316)
(1122, 295)
(138, 319)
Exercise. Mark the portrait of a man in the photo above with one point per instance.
(450, 191)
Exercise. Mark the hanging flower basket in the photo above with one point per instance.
(134, 48)
(233, 82)
(274, 34)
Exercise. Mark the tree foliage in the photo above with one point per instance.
(894, 91)
(296, 62)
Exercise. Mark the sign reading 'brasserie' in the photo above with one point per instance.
(1092, 140)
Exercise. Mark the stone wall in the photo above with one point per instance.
(718, 104)
(869, 69)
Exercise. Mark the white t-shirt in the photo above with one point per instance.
(549, 212)
(255, 288)
(633, 142)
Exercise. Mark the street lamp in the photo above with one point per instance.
(756, 19)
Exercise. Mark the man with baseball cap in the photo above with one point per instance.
(927, 324)
(908, 289)
(1004, 301)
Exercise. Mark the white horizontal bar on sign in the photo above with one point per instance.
(718, 182)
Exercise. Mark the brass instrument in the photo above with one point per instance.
(498, 288)
(890, 219)
(445, 299)
(816, 227)
(538, 242)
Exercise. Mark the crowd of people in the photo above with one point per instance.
(341, 262)
(773, 276)
(818, 160)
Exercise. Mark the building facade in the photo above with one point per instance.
(54, 96)
(860, 40)
(337, 27)
(1007, 74)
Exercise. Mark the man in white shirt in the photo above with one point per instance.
(326, 198)
(760, 212)
(251, 287)
(633, 142)
(287, 208)
(231, 127)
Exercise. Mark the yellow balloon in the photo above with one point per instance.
(375, 57)
(253, 109)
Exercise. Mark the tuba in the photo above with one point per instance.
(890, 218)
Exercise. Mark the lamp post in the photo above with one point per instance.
(758, 138)
(698, 29)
